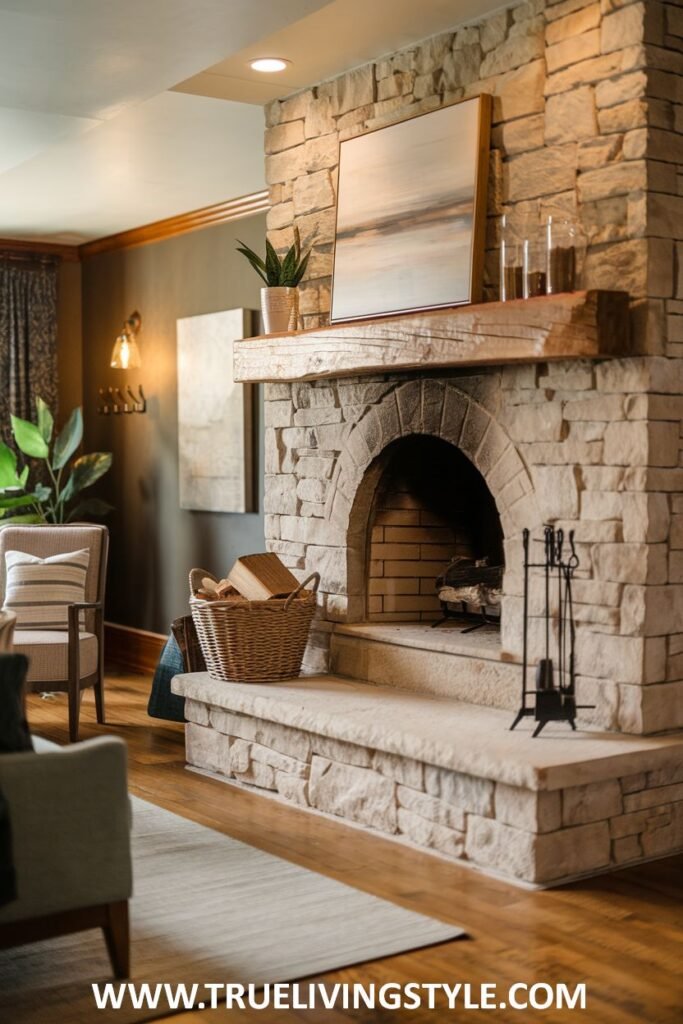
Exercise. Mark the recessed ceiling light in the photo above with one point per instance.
(268, 64)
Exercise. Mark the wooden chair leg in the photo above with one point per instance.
(117, 937)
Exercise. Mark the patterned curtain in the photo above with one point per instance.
(28, 336)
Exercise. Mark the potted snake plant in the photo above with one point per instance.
(281, 276)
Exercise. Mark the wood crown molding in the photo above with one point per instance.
(208, 216)
(22, 247)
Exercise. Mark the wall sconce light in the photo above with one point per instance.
(125, 355)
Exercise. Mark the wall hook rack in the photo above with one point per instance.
(113, 401)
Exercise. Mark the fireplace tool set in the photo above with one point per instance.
(552, 698)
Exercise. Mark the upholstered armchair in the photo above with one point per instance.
(73, 659)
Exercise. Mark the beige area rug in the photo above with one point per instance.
(208, 908)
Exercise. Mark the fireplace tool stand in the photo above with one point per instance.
(553, 696)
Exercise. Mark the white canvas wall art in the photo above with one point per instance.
(410, 213)
(215, 415)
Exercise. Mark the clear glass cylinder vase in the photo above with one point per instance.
(511, 279)
(565, 246)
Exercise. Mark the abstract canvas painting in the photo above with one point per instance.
(411, 212)
(215, 415)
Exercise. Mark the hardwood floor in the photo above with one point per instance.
(621, 934)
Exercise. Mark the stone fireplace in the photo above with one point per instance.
(392, 447)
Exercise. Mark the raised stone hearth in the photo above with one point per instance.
(446, 776)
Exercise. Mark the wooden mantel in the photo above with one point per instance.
(576, 325)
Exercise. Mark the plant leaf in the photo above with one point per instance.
(297, 243)
(8, 467)
(90, 507)
(69, 439)
(84, 473)
(273, 266)
(29, 438)
(289, 267)
(45, 420)
(42, 493)
(301, 269)
(17, 501)
(23, 477)
(28, 517)
(253, 258)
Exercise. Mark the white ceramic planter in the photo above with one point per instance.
(280, 309)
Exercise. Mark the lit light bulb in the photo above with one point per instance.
(268, 65)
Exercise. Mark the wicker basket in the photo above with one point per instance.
(253, 641)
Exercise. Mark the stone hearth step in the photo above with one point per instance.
(445, 775)
(442, 661)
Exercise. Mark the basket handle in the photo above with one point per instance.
(315, 576)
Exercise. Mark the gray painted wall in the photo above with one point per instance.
(154, 542)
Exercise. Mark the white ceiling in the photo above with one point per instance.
(341, 35)
(92, 140)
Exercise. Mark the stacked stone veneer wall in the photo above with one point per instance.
(588, 116)
(539, 836)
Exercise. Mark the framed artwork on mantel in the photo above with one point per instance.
(411, 214)
(216, 428)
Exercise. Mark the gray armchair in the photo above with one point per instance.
(70, 820)
(72, 660)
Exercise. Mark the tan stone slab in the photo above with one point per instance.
(463, 737)
(579, 325)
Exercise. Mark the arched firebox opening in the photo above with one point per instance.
(431, 507)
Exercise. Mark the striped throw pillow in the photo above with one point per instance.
(38, 590)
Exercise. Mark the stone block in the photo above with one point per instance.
(205, 748)
(292, 788)
(468, 792)
(518, 93)
(196, 711)
(593, 802)
(631, 563)
(557, 491)
(431, 808)
(530, 810)
(538, 422)
(541, 172)
(571, 116)
(626, 849)
(572, 851)
(280, 494)
(631, 660)
(516, 51)
(351, 792)
(401, 769)
(492, 844)
(257, 774)
(639, 443)
(350, 90)
(652, 611)
(646, 517)
(624, 27)
(612, 180)
(656, 797)
(281, 762)
(573, 24)
(667, 837)
(428, 833)
(313, 192)
(283, 738)
(577, 49)
(284, 136)
(338, 750)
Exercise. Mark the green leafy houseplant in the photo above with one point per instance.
(51, 500)
(278, 271)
